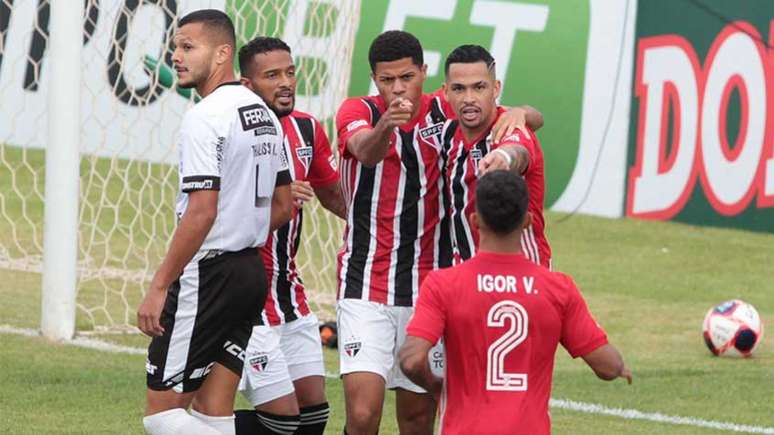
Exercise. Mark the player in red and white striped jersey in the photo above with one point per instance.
(396, 231)
(469, 151)
(501, 318)
(284, 354)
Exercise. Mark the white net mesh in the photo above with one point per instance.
(130, 113)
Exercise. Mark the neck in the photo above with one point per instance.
(217, 78)
(473, 133)
(501, 244)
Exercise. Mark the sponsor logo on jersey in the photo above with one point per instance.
(437, 360)
(352, 348)
(432, 130)
(259, 362)
(304, 154)
(355, 124)
(197, 185)
(256, 117)
(333, 163)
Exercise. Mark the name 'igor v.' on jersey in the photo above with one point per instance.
(231, 142)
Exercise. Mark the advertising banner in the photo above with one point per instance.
(701, 147)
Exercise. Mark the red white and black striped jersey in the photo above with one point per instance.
(394, 236)
(461, 159)
(310, 160)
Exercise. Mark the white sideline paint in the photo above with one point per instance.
(570, 405)
(633, 414)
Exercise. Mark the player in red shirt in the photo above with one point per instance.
(472, 90)
(501, 318)
(284, 370)
(391, 173)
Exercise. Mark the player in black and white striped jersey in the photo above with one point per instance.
(234, 189)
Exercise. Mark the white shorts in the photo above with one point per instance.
(370, 336)
(278, 355)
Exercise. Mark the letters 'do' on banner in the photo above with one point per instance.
(702, 132)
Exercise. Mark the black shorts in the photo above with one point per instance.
(207, 318)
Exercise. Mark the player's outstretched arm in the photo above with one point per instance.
(413, 362)
(510, 157)
(281, 206)
(188, 238)
(607, 363)
(370, 146)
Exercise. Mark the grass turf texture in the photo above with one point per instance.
(649, 284)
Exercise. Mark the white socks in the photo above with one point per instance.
(176, 422)
(224, 425)
(179, 422)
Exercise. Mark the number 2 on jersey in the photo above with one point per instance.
(496, 377)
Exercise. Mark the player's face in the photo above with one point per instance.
(274, 80)
(193, 55)
(400, 79)
(472, 91)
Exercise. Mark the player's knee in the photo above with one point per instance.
(361, 417)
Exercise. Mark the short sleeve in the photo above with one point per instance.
(353, 115)
(201, 154)
(280, 160)
(322, 171)
(581, 334)
(523, 138)
(429, 318)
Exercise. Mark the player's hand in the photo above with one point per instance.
(302, 192)
(626, 374)
(493, 162)
(398, 112)
(514, 118)
(149, 312)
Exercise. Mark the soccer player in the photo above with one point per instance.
(208, 292)
(284, 353)
(389, 146)
(469, 151)
(501, 318)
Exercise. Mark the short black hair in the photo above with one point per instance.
(259, 45)
(213, 19)
(502, 200)
(395, 45)
(469, 53)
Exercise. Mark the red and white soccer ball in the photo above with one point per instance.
(733, 327)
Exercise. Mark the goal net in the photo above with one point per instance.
(130, 114)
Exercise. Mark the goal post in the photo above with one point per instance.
(88, 125)
(60, 234)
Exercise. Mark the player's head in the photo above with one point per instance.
(502, 200)
(204, 42)
(267, 68)
(397, 66)
(471, 87)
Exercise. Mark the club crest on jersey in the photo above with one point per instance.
(256, 117)
(304, 155)
(259, 362)
(352, 348)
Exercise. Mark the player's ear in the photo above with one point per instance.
(527, 221)
(223, 54)
(497, 88)
(474, 221)
(424, 71)
(246, 83)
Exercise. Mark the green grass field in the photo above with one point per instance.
(649, 284)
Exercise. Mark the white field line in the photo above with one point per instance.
(588, 408)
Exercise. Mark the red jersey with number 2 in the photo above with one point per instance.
(501, 317)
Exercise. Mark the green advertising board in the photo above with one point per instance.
(706, 156)
(545, 69)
